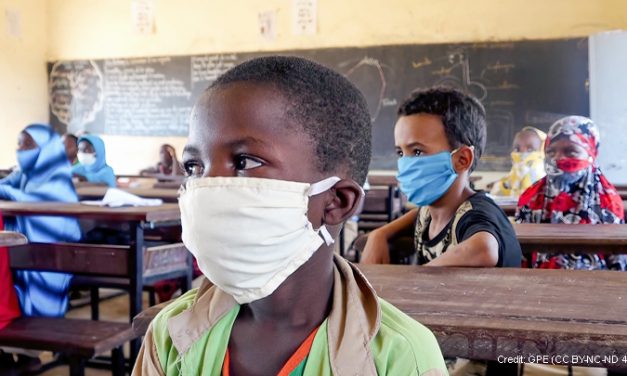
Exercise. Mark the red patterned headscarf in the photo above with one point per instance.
(587, 198)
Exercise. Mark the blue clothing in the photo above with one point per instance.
(99, 172)
(43, 293)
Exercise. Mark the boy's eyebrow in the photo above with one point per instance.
(249, 140)
(415, 143)
(191, 150)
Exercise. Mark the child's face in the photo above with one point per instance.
(242, 130)
(420, 134)
(526, 142)
(86, 147)
(70, 147)
(165, 156)
(564, 148)
(25, 142)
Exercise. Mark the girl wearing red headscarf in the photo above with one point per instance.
(574, 191)
(9, 307)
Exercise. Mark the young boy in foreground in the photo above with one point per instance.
(440, 135)
(277, 150)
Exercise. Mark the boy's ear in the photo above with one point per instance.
(347, 197)
(463, 158)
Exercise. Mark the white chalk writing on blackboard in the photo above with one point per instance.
(209, 67)
(142, 100)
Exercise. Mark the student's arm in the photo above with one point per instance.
(377, 250)
(13, 179)
(481, 249)
(47, 192)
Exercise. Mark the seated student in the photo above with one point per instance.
(92, 160)
(527, 164)
(9, 307)
(277, 149)
(43, 175)
(168, 163)
(71, 147)
(440, 136)
(574, 191)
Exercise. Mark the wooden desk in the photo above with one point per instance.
(382, 180)
(11, 239)
(96, 193)
(558, 238)
(486, 313)
(144, 214)
(138, 218)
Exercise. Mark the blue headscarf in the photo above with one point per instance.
(43, 293)
(99, 172)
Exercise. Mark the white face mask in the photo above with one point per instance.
(86, 159)
(249, 234)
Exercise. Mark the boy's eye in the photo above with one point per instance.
(193, 169)
(399, 152)
(245, 162)
(417, 152)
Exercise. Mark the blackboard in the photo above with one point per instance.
(520, 83)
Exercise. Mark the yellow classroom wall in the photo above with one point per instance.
(79, 29)
(23, 80)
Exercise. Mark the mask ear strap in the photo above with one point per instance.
(323, 186)
(328, 239)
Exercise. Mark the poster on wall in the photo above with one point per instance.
(305, 17)
(143, 16)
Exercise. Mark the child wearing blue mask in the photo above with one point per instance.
(92, 159)
(440, 135)
(277, 150)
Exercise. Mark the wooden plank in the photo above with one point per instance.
(81, 259)
(165, 212)
(556, 238)
(68, 336)
(97, 193)
(10, 239)
(484, 313)
(382, 180)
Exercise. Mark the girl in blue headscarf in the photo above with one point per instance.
(92, 160)
(43, 175)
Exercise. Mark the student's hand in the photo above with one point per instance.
(376, 250)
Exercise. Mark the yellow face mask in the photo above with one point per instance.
(518, 157)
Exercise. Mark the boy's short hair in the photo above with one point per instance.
(463, 116)
(330, 109)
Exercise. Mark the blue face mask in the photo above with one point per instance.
(425, 179)
(26, 159)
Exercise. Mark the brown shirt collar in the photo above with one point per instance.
(354, 320)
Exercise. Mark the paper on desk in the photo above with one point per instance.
(116, 198)
(504, 200)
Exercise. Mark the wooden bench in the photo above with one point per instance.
(78, 340)
(487, 313)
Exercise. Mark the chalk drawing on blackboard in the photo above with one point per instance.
(497, 67)
(457, 76)
(75, 92)
(420, 64)
(376, 97)
(504, 85)
(540, 118)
